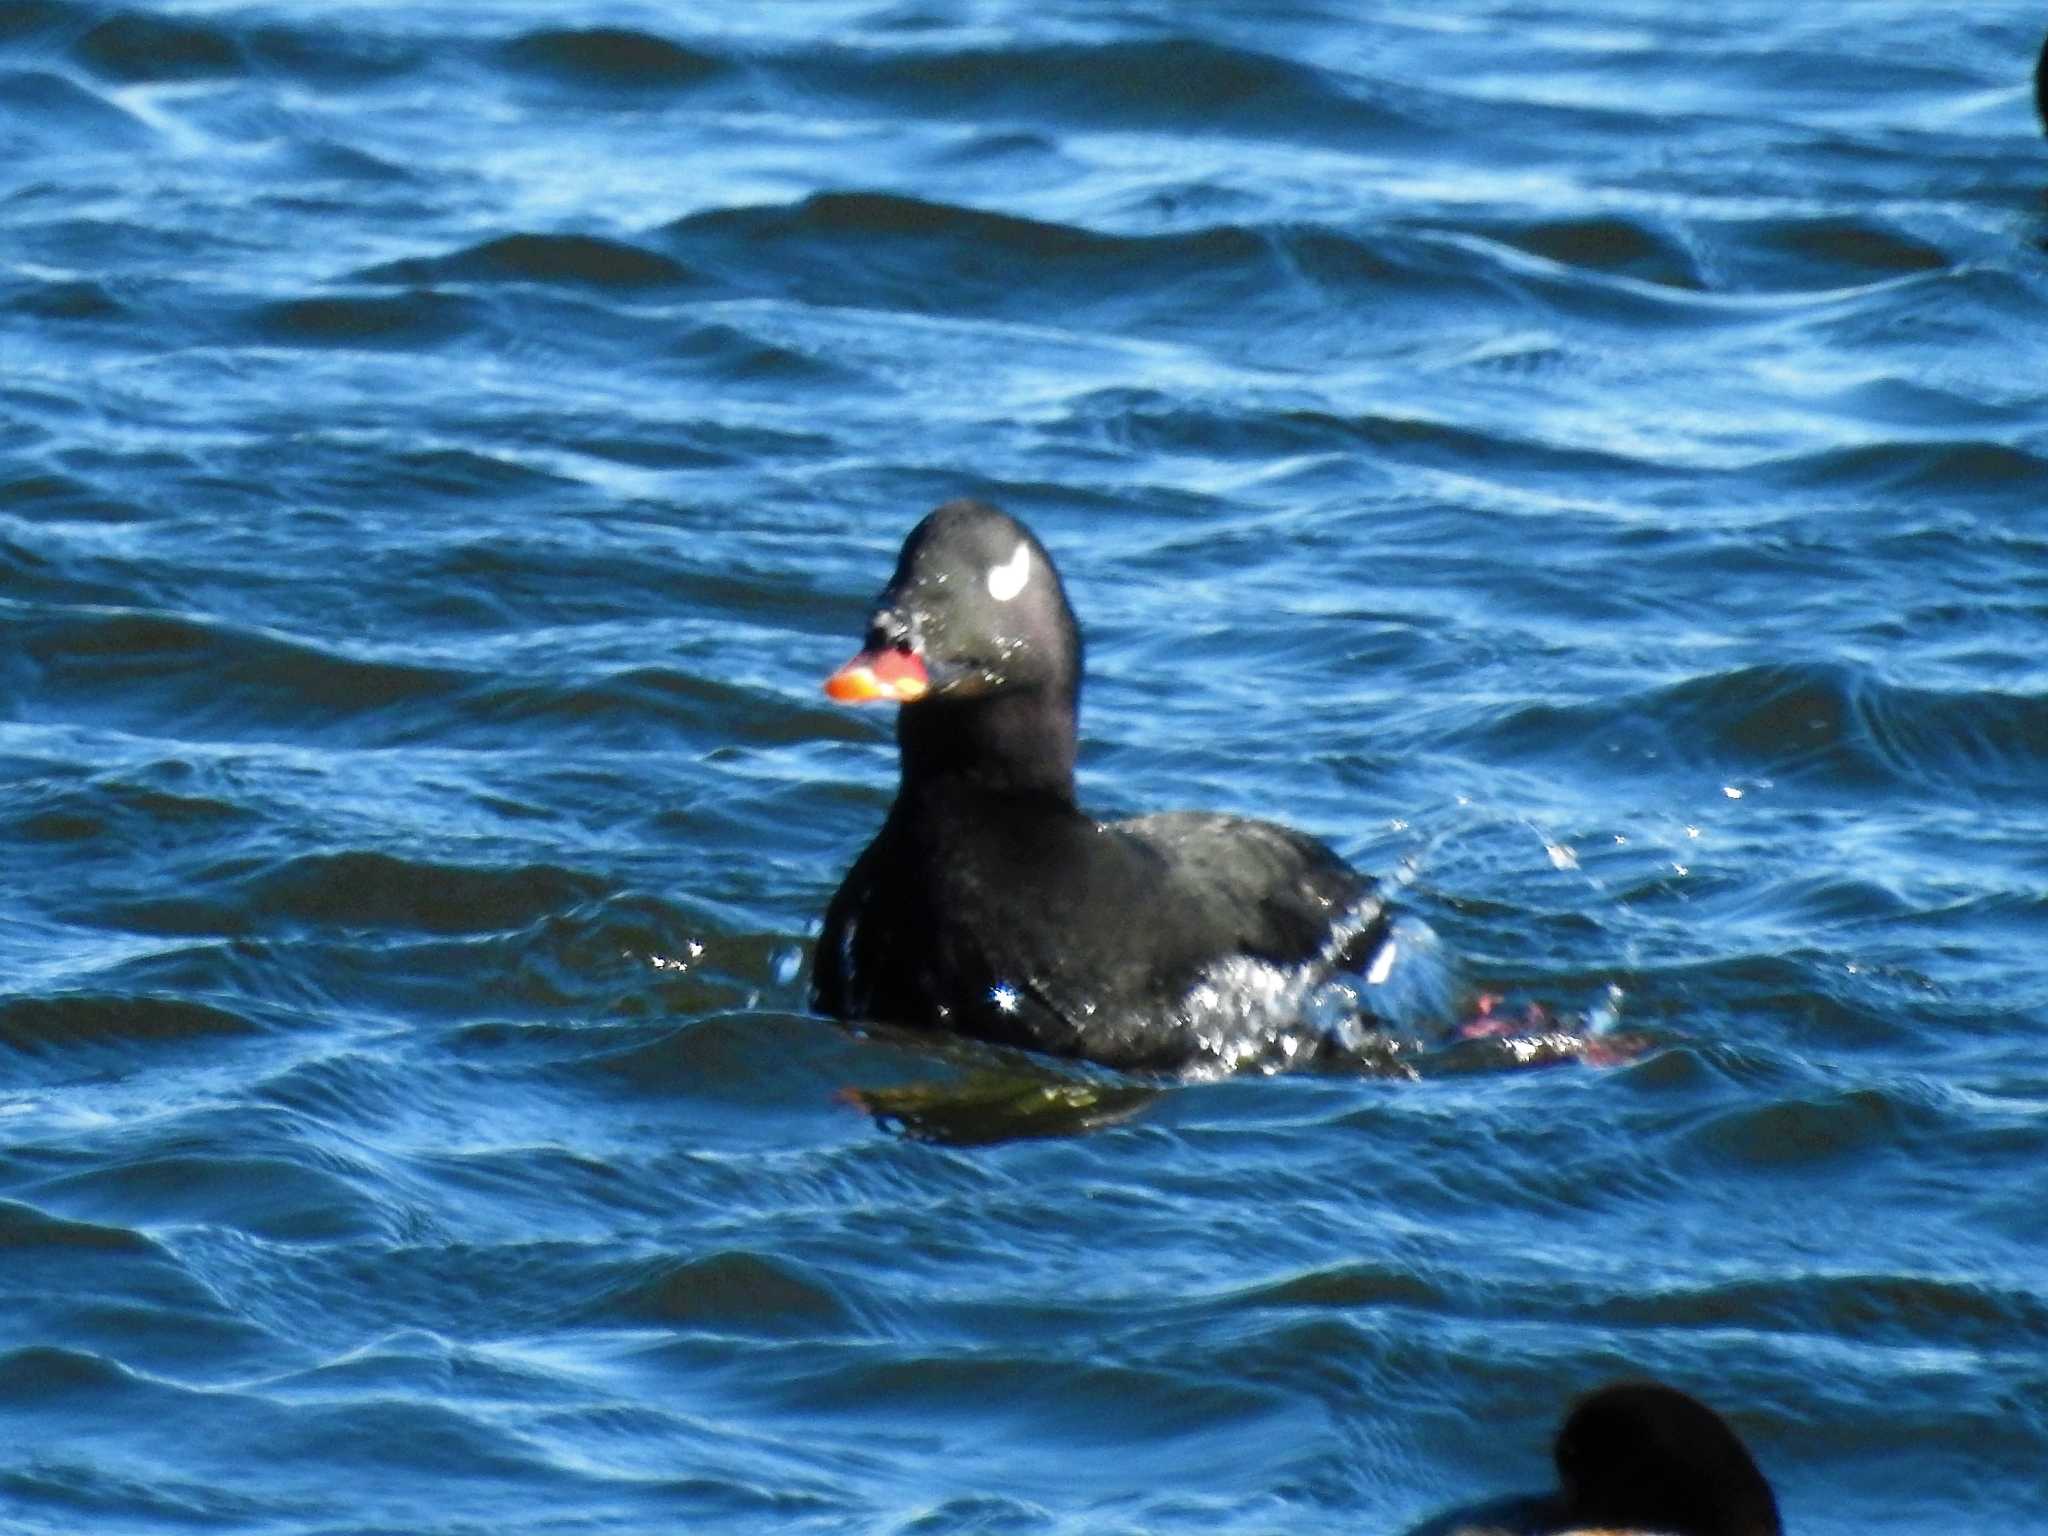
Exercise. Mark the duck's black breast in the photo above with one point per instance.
(1020, 920)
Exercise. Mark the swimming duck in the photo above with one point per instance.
(991, 905)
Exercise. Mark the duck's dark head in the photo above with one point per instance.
(1644, 1456)
(2041, 84)
(974, 638)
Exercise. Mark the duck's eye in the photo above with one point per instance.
(1005, 581)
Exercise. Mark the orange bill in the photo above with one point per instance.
(894, 675)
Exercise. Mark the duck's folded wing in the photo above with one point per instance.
(1260, 889)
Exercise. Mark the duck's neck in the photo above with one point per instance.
(1019, 741)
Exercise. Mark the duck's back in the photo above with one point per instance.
(1255, 888)
(1030, 924)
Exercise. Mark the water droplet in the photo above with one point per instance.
(788, 961)
(1332, 1010)
(1605, 1015)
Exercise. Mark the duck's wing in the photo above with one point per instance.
(1260, 889)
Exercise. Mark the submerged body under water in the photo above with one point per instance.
(1582, 462)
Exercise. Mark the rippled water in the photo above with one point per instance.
(1588, 461)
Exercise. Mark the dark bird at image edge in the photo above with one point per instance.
(1636, 1458)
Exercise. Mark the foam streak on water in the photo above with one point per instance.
(1586, 461)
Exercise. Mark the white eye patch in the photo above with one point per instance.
(1005, 581)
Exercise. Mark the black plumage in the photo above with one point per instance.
(991, 905)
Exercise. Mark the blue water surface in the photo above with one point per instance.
(1586, 459)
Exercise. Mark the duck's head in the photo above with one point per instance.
(975, 609)
(1641, 1456)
